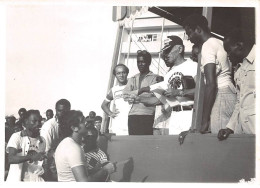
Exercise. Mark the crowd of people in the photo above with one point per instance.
(64, 147)
(45, 150)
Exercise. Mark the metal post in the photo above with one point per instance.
(129, 46)
(200, 85)
(161, 45)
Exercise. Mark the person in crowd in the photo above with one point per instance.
(49, 114)
(17, 128)
(26, 150)
(220, 96)
(140, 117)
(96, 159)
(172, 90)
(9, 127)
(120, 108)
(91, 115)
(69, 156)
(240, 46)
(97, 123)
(21, 113)
(195, 53)
(43, 121)
(50, 131)
(9, 130)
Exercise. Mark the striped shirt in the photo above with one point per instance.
(95, 158)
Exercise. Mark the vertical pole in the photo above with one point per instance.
(161, 46)
(200, 85)
(129, 46)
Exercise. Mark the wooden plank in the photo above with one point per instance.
(201, 158)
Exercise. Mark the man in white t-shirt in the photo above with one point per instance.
(219, 95)
(26, 150)
(171, 91)
(120, 108)
(69, 156)
(50, 131)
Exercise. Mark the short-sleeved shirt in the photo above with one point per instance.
(133, 86)
(175, 74)
(118, 125)
(50, 131)
(68, 154)
(23, 145)
(212, 51)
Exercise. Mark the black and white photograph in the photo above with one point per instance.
(97, 91)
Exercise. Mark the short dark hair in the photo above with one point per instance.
(120, 65)
(64, 102)
(93, 130)
(98, 118)
(246, 36)
(93, 112)
(49, 110)
(196, 20)
(21, 110)
(145, 54)
(70, 118)
(28, 113)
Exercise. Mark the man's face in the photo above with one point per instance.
(121, 74)
(233, 51)
(49, 115)
(21, 114)
(33, 124)
(97, 124)
(194, 54)
(92, 115)
(143, 66)
(171, 56)
(194, 37)
(60, 109)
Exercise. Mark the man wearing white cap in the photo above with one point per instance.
(174, 90)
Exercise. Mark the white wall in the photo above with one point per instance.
(58, 51)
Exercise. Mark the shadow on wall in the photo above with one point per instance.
(127, 170)
(125, 167)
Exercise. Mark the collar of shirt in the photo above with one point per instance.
(251, 56)
(148, 74)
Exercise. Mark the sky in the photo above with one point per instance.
(58, 51)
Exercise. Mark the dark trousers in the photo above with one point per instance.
(140, 124)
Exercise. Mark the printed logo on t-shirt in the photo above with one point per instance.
(118, 94)
(175, 80)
